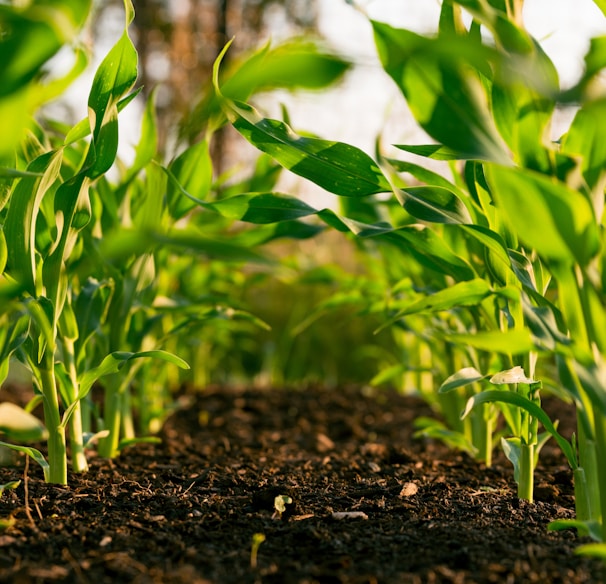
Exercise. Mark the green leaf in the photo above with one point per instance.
(20, 426)
(42, 93)
(533, 409)
(547, 215)
(20, 223)
(113, 363)
(337, 167)
(584, 139)
(433, 151)
(585, 528)
(435, 429)
(148, 142)
(594, 550)
(515, 342)
(468, 293)
(512, 447)
(434, 204)
(461, 378)
(263, 208)
(33, 453)
(296, 63)
(32, 34)
(439, 81)
(113, 79)
(11, 485)
(126, 442)
(192, 171)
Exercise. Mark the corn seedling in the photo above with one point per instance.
(516, 236)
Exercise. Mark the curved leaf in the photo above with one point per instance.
(337, 167)
(461, 378)
(434, 204)
(555, 220)
(439, 79)
(533, 409)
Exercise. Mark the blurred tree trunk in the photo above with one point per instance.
(179, 41)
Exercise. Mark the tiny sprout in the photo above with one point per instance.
(257, 540)
(280, 503)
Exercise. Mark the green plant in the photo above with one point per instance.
(508, 253)
(47, 209)
(106, 279)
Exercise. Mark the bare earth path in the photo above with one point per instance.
(186, 511)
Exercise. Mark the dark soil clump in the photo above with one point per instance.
(364, 502)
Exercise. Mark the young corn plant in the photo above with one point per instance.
(529, 208)
(48, 207)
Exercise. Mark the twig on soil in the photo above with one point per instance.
(26, 491)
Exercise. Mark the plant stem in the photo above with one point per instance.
(112, 414)
(76, 437)
(526, 478)
(600, 452)
(57, 450)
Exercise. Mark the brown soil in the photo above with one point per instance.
(186, 511)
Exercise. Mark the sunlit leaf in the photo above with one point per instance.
(437, 78)
(461, 378)
(515, 342)
(547, 215)
(20, 426)
(516, 399)
(434, 204)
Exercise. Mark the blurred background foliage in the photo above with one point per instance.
(315, 295)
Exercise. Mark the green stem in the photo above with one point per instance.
(128, 424)
(588, 461)
(526, 470)
(582, 502)
(600, 451)
(76, 433)
(57, 449)
(112, 415)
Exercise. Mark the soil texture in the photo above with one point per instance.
(292, 487)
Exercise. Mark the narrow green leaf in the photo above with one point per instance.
(190, 173)
(515, 342)
(512, 447)
(433, 151)
(337, 167)
(20, 426)
(11, 485)
(113, 79)
(590, 528)
(20, 223)
(468, 293)
(568, 231)
(33, 453)
(444, 93)
(461, 378)
(434, 204)
(584, 139)
(594, 550)
(296, 63)
(533, 409)
(263, 208)
(148, 142)
(113, 363)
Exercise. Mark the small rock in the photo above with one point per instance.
(409, 489)
(324, 443)
(339, 515)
